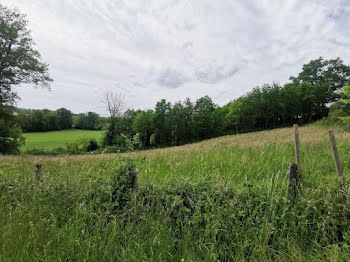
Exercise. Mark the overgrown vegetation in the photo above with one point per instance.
(224, 199)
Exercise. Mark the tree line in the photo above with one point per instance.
(48, 120)
(305, 98)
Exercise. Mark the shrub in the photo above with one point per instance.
(82, 145)
(92, 145)
(114, 197)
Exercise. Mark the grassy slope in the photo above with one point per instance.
(257, 222)
(54, 139)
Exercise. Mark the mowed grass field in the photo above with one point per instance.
(53, 139)
(224, 199)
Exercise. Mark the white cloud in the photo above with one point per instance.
(176, 48)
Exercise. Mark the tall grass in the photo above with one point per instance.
(219, 201)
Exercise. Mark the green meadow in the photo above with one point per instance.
(224, 199)
(128, 193)
(53, 139)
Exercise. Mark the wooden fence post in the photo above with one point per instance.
(293, 177)
(134, 182)
(38, 176)
(297, 148)
(335, 154)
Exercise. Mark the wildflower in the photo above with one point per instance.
(182, 260)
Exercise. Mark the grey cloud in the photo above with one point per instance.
(172, 78)
(187, 45)
(213, 74)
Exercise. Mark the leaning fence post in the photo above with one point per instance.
(335, 154)
(293, 177)
(38, 176)
(297, 149)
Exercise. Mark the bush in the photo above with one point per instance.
(82, 145)
(92, 145)
(115, 200)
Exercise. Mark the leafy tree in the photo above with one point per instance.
(178, 119)
(38, 120)
(126, 124)
(65, 119)
(10, 132)
(88, 121)
(93, 120)
(24, 119)
(19, 61)
(188, 115)
(233, 115)
(346, 91)
(346, 101)
(19, 64)
(321, 81)
(162, 122)
(203, 119)
(219, 122)
(291, 103)
(143, 126)
(80, 121)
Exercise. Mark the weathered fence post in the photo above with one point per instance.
(297, 149)
(38, 176)
(293, 177)
(335, 154)
(134, 182)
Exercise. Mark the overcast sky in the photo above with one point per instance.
(175, 49)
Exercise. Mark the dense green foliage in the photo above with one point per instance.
(48, 120)
(219, 200)
(88, 121)
(339, 112)
(305, 99)
(345, 102)
(10, 132)
(82, 145)
(44, 120)
(19, 64)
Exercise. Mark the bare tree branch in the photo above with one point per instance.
(113, 103)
